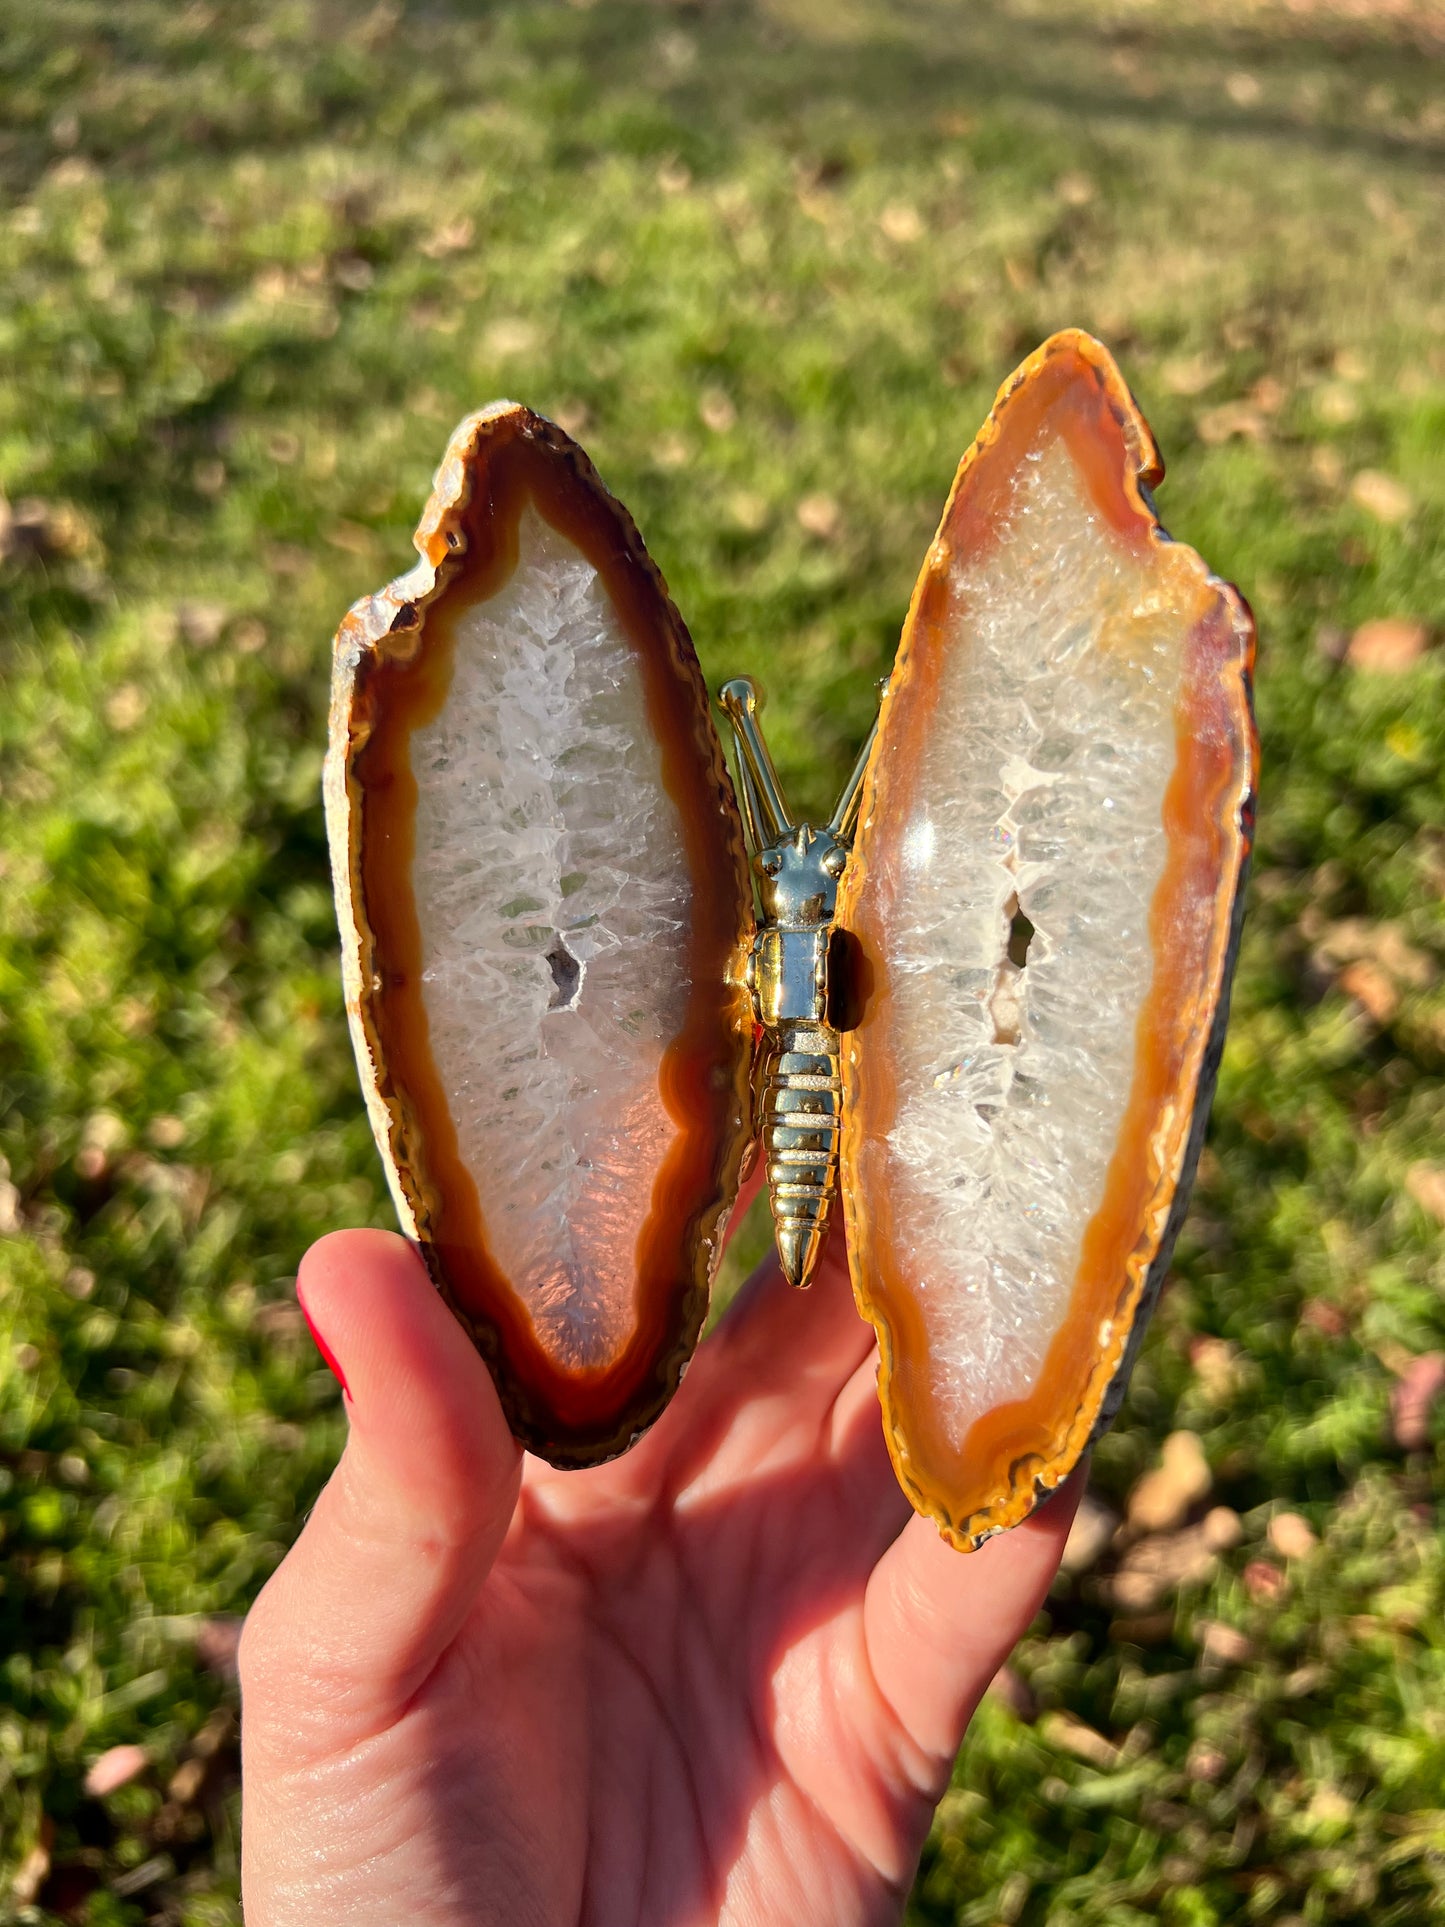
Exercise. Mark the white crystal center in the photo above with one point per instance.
(1057, 701)
(553, 895)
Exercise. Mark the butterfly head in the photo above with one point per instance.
(798, 876)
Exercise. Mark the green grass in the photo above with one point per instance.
(256, 260)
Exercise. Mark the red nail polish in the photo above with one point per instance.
(322, 1346)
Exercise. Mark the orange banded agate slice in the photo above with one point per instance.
(545, 909)
(1044, 897)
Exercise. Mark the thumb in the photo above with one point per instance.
(390, 1561)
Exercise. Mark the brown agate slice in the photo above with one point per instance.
(1067, 735)
(544, 906)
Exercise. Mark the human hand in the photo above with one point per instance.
(721, 1679)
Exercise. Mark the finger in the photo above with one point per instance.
(940, 1623)
(762, 1393)
(391, 1558)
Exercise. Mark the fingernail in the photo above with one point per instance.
(322, 1346)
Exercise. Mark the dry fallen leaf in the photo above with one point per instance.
(1413, 1397)
(1071, 1735)
(186, 1782)
(1231, 420)
(1190, 377)
(1090, 1535)
(819, 515)
(1381, 495)
(1426, 1185)
(1263, 1582)
(717, 411)
(1156, 1566)
(508, 336)
(1358, 939)
(901, 223)
(1223, 1644)
(1336, 403)
(1161, 1499)
(1205, 1763)
(1216, 1366)
(1321, 1316)
(1388, 645)
(115, 1768)
(1373, 989)
(450, 239)
(1291, 1536)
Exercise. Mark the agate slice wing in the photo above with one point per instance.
(545, 906)
(1044, 896)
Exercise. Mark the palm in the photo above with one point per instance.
(708, 1682)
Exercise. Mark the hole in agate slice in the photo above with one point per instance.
(1020, 934)
(566, 974)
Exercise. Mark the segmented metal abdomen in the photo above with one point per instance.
(800, 1123)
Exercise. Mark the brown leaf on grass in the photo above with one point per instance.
(1321, 1316)
(1090, 1536)
(451, 239)
(1372, 989)
(901, 223)
(1426, 1185)
(1387, 646)
(1160, 1564)
(1412, 1400)
(1291, 1536)
(819, 515)
(201, 623)
(1232, 420)
(1381, 496)
(1161, 1500)
(37, 530)
(101, 1139)
(1359, 940)
(354, 538)
(717, 411)
(30, 1874)
(1205, 1763)
(1216, 1366)
(1263, 1582)
(1225, 1645)
(1071, 1735)
(185, 1783)
(1190, 377)
(115, 1768)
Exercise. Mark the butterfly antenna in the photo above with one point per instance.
(844, 819)
(764, 811)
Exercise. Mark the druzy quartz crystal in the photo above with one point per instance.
(1032, 888)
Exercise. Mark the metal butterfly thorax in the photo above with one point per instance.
(798, 1071)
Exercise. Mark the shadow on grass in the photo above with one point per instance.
(748, 73)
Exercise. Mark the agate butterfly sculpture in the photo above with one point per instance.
(585, 974)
